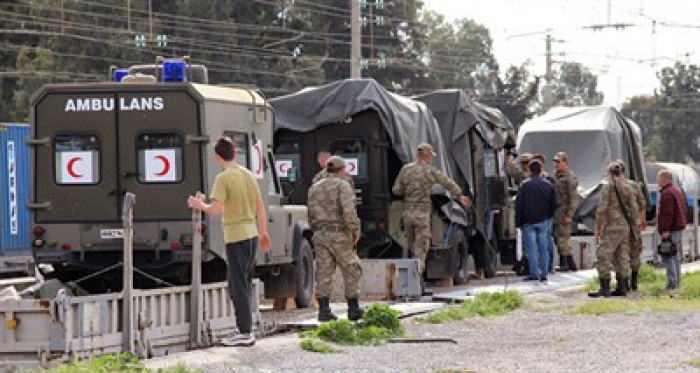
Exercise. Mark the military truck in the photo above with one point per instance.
(476, 138)
(376, 132)
(92, 143)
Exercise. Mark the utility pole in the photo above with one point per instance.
(150, 19)
(355, 40)
(547, 91)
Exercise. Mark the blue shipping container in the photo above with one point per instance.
(14, 188)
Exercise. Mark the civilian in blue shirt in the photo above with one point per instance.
(534, 209)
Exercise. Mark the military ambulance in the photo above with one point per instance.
(150, 135)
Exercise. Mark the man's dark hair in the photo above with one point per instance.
(225, 148)
(535, 167)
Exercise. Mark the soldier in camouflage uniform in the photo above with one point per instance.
(414, 183)
(336, 227)
(613, 232)
(566, 194)
(519, 174)
(322, 158)
(636, 245)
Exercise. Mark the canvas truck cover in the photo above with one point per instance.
(457, 115)
(407, 122)
(592, 137)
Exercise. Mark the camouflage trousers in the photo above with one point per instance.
(336, 249)
(636, 247)
(417, 227)
(562, 237)
(613, 252)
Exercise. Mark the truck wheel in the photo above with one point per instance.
(461, 258)
(491, 260)
(304, 276)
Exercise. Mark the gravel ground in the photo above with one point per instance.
(540, 337)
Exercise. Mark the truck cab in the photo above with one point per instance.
(92, 143)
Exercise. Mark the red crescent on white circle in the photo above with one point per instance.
(71, 164)
(166, 165)
(283, 167)
(352, 167)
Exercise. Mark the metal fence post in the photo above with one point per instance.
(128, 275)
(196, 306)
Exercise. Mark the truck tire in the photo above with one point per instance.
(304, 275)
(461, 258)
(491, 263)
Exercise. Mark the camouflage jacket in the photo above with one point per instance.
(566, 194)
(609, 213)
(332, 203)
(639, 194)
(323, 174)
(516, 173)
(416, 180)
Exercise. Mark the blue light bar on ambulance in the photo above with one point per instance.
(174, 71)
(119, 74)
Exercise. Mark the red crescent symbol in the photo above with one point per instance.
(166, 165)
(260, 159)
(352, 167)
(70, 166)
(283, 167)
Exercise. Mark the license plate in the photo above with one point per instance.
(108, 234)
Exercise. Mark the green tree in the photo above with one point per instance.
(36, 68)
(574, 85)
(669, 118)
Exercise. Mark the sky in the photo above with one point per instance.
(626, 61)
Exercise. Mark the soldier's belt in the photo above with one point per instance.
(331, 228)
(420, 206)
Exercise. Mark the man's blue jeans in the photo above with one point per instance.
(537, 239)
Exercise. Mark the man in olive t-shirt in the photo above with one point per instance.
(236, 195)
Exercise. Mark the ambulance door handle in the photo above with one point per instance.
(130, 174)
(39, 205)
(112, 193)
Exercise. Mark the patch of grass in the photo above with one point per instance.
(117, 363)
(632, 307)
(484, 304)
(694, 362)
(314, 345)
(380, 323)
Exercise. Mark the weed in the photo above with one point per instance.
(317, 346)
(117, 363)
(630, 307)
(694, 362)
(484, 304)
(380, 323)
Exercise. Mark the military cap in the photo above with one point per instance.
(526, 157)
(424, 147)
(561, 156)
(335, 163)
(615, 167)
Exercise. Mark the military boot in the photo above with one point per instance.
(324, 310)
(621, 288)
(354, 311)
(604, 290)
(572, 264)
(563, 263)
(633, 280)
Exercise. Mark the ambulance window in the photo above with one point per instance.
(354, 152)
(159, 157)
(240, 140)
(288, 157)
(77, 159)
